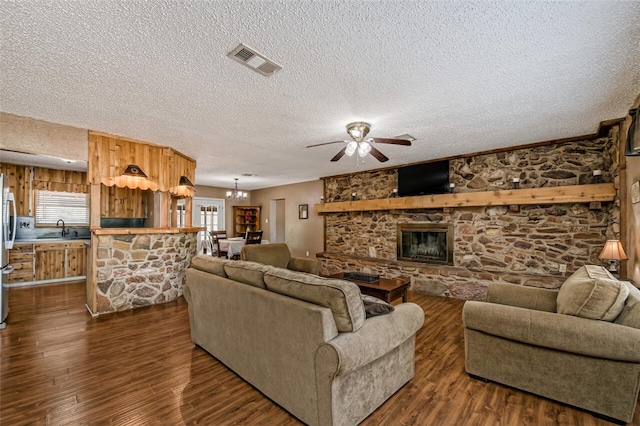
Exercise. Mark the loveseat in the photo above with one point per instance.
(304, 341)
(579, 345)
(278, 254)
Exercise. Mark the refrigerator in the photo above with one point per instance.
(7, 237)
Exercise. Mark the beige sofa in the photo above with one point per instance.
(302, 340)
(579, 345)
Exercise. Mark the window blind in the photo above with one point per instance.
(72, 207)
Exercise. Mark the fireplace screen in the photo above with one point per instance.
(425, 242)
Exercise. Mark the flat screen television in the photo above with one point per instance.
(424, 179)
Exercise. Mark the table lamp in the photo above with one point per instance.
(613, 251)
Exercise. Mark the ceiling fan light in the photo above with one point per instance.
(363, 148)
(351, 148)
(355, 133)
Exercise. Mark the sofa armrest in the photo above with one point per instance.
(379, 335)
(540, 299)
(556, 331)
(301, 264)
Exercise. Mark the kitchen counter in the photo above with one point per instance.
(133, 267)
(53, 240)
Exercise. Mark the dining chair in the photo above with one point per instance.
(253, 237)
(219, 235)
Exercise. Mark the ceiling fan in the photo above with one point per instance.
(358, 131)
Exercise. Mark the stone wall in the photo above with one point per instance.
(490, 243)
(141, 270)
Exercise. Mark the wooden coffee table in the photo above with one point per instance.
(387, 289)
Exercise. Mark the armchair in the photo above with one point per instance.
(278, 254)
(517, 338)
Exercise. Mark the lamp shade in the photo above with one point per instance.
(613, 250)
(134, 170)
(184, 181)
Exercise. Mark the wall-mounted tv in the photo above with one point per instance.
(424, 179)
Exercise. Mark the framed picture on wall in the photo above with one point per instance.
(303, 211)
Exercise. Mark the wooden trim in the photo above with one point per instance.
(603, 127)
(546, 195)
(138, 231)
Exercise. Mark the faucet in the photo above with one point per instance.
(64, 231)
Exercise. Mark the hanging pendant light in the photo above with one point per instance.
(238, 195)
(134, 170)
(184, 181)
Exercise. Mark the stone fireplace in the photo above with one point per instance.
(425, 243)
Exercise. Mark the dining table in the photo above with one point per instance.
(233, 246)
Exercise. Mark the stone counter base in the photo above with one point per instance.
(435, 280)
(141, 270)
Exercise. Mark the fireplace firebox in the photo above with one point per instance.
(425, 242)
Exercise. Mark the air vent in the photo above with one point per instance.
(254, 60)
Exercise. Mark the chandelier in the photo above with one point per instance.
(238, 195)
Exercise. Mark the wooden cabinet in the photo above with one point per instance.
(21, 256)
(60, 260)
(246, 218)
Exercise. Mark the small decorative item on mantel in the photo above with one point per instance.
(597, 176)
(516, 183)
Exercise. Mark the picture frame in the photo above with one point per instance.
(635, 193)
(303, 211)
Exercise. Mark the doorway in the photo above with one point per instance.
(209, 214)
(277, 219)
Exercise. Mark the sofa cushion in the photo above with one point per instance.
(374, 306)
(342, 297)
(213, 265)
(630, 315)
(591, 292)
(247, 272)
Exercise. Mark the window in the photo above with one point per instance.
(181, 214)
(72, 207)
(209, 217)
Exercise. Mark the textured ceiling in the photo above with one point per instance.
(458, 76)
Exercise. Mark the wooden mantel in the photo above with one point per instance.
(546, 195)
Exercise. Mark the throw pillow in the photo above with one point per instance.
(374, 306)
(592, 293)
(342, 297)
(630, 315)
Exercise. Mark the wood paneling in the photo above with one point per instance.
(59, 180)
(60, 366)
(122, 202)
(20, 185)
(50, 262)
(60, 260)
(110, 155)
(22, 259)
(547, 195)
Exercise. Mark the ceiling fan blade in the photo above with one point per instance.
(393, 141)
(340, 154)
(324, 143)
(378, 155)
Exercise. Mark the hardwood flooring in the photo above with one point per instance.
(60, 366)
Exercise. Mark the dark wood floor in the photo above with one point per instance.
(60, 366)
